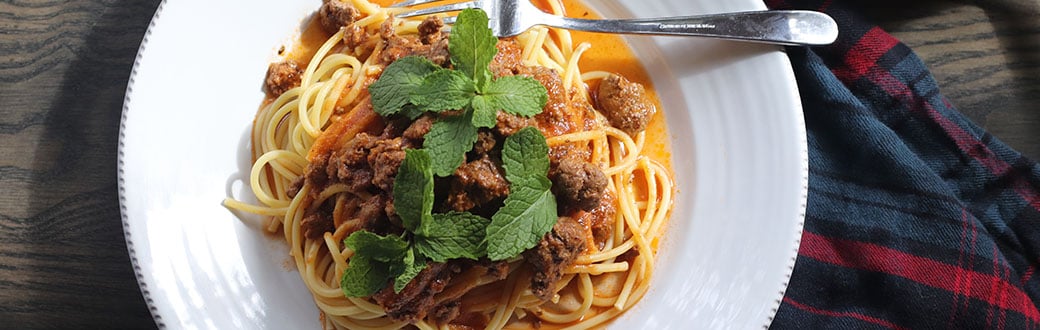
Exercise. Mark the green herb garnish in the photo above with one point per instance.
(414, 81)
(412, 86)
(530, 209)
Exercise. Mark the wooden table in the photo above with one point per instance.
(64, 67)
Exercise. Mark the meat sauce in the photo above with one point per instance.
(478, 183)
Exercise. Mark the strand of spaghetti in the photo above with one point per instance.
(368, 306)
(357, 88)
(628, 148)
(626, 290)
(308, 99)
(268, 138)
(585, 291)
(353, 312)
(292, 218)
(553, 51)
(338, 258)
(575, 137)
(330, 191)
(301, 141)
(329, 65)
(307, 81)
(607, 254)
(542, 59)
(326, 101)
(270, 132)
(259, 210)
(650, 177)
(423, 325)
(287, 164)
(367, 7)
(501, 315)
(337, 93)
(631, 218)
(373, 19)
(308, 74)
(273, 224)
(597, 269)
(594, 75)
(534, 38)
(571, 74)
(666, 198)
(263, 195)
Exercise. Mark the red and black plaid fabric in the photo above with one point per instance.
(917, 218)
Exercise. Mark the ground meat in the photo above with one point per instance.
(395, 127)
(371, 214)
(556, 117)
(485, 142)
(317, 174)
(577, 183)
(416, 299)
(354, 36)
(601, 220)
(295, 186)
(625, 104)
(401, 46)
(508, 124)
(349, 164)
(282, 76)
(557, 250)
(417, 130)
(430, 30)
(385, 157)
(507, 61)
(444, 313)
(335, 14)
(475, 183)
(315, 225)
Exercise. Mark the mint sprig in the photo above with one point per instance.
(530, 209)
(452, 235)
(412, 86)
(399, 79)
(417, 85)
(415, 204)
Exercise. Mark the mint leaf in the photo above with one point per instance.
(364, 277)
(528, 213)
(444, 90)
(448, 141)
(525, 155)
(530, 209)
(413, 189)
(484, 114)
(379, 248)
(518, 95)
(411, 111)
(452, 235)
(397, 82)
(407, 269)
(472, 46)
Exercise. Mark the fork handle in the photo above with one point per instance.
(784, 27)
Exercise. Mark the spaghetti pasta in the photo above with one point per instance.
(295, 127)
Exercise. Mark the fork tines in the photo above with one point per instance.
(435, 10)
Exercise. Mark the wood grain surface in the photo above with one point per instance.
(64, 66)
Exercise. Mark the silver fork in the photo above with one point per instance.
(784, 27)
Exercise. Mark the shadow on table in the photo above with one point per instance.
(1018, 30)
(81, 275)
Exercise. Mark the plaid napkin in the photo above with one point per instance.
(917, 218)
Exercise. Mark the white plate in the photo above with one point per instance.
(737, 134)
